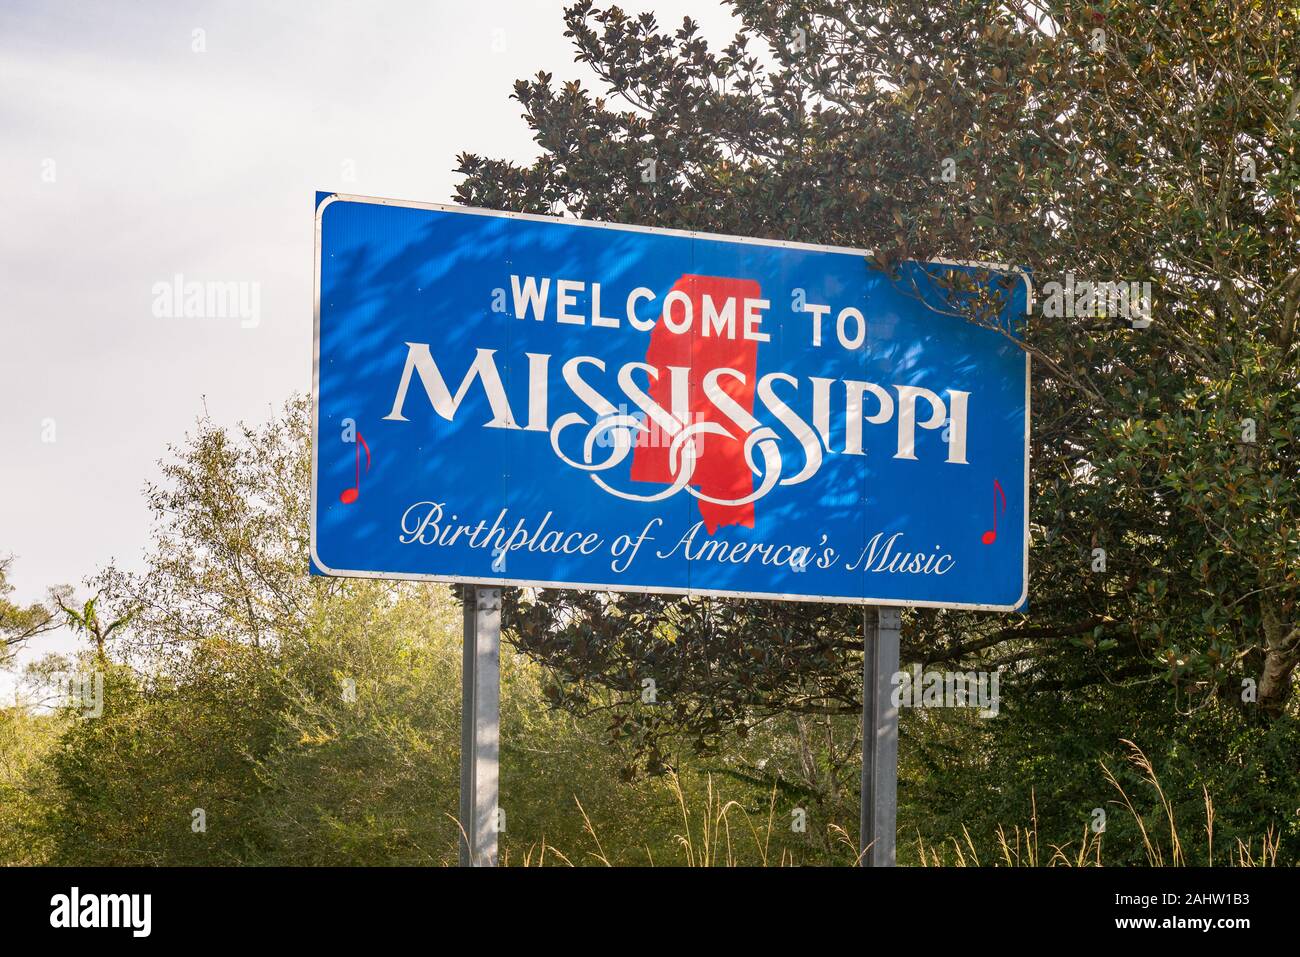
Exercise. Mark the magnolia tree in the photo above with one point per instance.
(1140, 163)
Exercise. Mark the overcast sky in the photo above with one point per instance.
(129, 157)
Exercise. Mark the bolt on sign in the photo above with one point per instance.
(528, 400)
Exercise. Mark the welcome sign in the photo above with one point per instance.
(527, 400)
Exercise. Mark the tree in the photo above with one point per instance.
(1110, 142)
(19, 623)
(252, 714)
(86, 621)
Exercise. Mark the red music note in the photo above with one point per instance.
(991, 536)
(350, 495)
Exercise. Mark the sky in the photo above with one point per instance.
(143, 140)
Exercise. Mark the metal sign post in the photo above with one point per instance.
(480, 726)
(878, 824)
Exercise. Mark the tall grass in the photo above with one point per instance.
(1161, 839)
(714, 834)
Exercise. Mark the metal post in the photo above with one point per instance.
(879, 816)
(480, 718)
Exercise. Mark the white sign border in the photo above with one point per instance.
(642, 589)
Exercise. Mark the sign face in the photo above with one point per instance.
(526, 400)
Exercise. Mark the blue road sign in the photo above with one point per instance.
(528, 400)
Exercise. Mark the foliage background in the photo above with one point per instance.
(229, 697)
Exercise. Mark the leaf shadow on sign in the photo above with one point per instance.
(980, 356)
(386, 275)
(403, 275)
